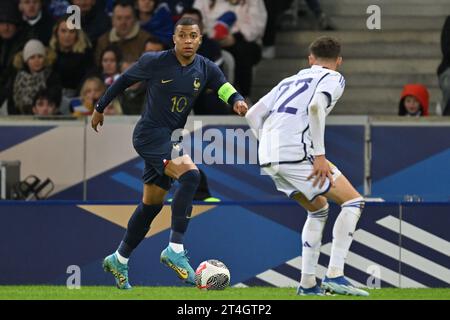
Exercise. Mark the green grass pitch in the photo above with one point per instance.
(186, 293)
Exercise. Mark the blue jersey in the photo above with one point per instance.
(171, 88)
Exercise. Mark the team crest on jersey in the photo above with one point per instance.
(197, 84)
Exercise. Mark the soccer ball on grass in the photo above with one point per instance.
(212, 275)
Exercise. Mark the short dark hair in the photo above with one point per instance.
(51, 95)
(125, 3)
(114, 48)
(153, 39)
(325, 48)
(194, 11)
(186, 21)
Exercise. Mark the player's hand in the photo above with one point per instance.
(321, 172)
(97, 118)
(240, 107)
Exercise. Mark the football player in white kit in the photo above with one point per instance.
(290, 124)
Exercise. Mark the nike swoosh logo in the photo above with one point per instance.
(166, 81)
(182, 273)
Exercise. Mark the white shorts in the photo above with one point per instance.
(292, 178)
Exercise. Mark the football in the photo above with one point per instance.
(212, 275)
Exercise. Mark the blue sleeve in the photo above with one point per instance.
(217, 80)
(140, 71)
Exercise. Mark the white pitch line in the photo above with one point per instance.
(240, 285)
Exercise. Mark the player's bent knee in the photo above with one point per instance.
(343, 191)
(190, 178)
(356, 203)
(153, 194)
(311, 206)
(320, 202)
(152, 200)
(177, 167)
(184, 160)
(321, 212)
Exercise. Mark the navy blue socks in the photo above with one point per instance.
(182, 204)
(138, 226)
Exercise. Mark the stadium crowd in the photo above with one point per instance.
(44, 62)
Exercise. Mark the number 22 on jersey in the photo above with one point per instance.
(284, 108)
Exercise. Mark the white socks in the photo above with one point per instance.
(311, 242)
(343, 230)
(121, 259)
(177, 247)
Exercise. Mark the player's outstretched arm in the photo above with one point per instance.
(139, 71)
(255, 117)
(225, 90)
(317, 114)
(228, 94)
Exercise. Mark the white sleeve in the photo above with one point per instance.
(317, 114)
(269, 98)
(255, 116)
(333, 87)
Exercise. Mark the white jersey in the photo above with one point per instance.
(285, 135)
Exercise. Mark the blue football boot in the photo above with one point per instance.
(118, 270)
(314, 291)
(340, 285)
(179, 262)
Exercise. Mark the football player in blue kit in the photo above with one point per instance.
(175, 78)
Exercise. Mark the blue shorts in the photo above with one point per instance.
(155, 146)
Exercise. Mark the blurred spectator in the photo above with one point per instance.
(444, 68)
(109, 5)
(177, 7)
(35, 74)
(153, 44)
(109, 69)
(12, 40)
(126, 33)
(208, 102)
(94, 20)
(323, 21)
(38, 23)
(414, 101)
(239, 25)
(45, 103)
(156, 19)
(74, 56)
(91, 91)
(132, 100)
(56, 8)
(274, 10)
